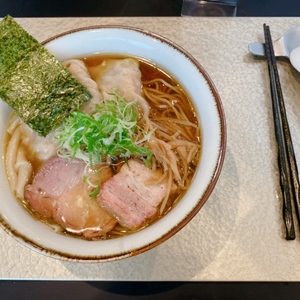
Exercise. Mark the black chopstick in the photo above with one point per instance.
(289, 180)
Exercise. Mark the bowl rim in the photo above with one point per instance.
(214, 177)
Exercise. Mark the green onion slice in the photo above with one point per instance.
(110, 133)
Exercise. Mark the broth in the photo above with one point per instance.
(159, 90)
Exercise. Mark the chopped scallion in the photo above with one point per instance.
(111, 132)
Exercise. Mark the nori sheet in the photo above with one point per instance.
(33, 82)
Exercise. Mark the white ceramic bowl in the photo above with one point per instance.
(183, 67)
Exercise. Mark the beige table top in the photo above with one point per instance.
(239, 234)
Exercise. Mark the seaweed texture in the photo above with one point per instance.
(33, 82)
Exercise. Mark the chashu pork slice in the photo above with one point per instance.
(131, 196)
(58, 190)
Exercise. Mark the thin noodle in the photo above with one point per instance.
(24, 171)
(175, 140)
(10, 158)
(13, 123)
(166, 198)
(181, 122)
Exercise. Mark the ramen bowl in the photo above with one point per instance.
(186, 70)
